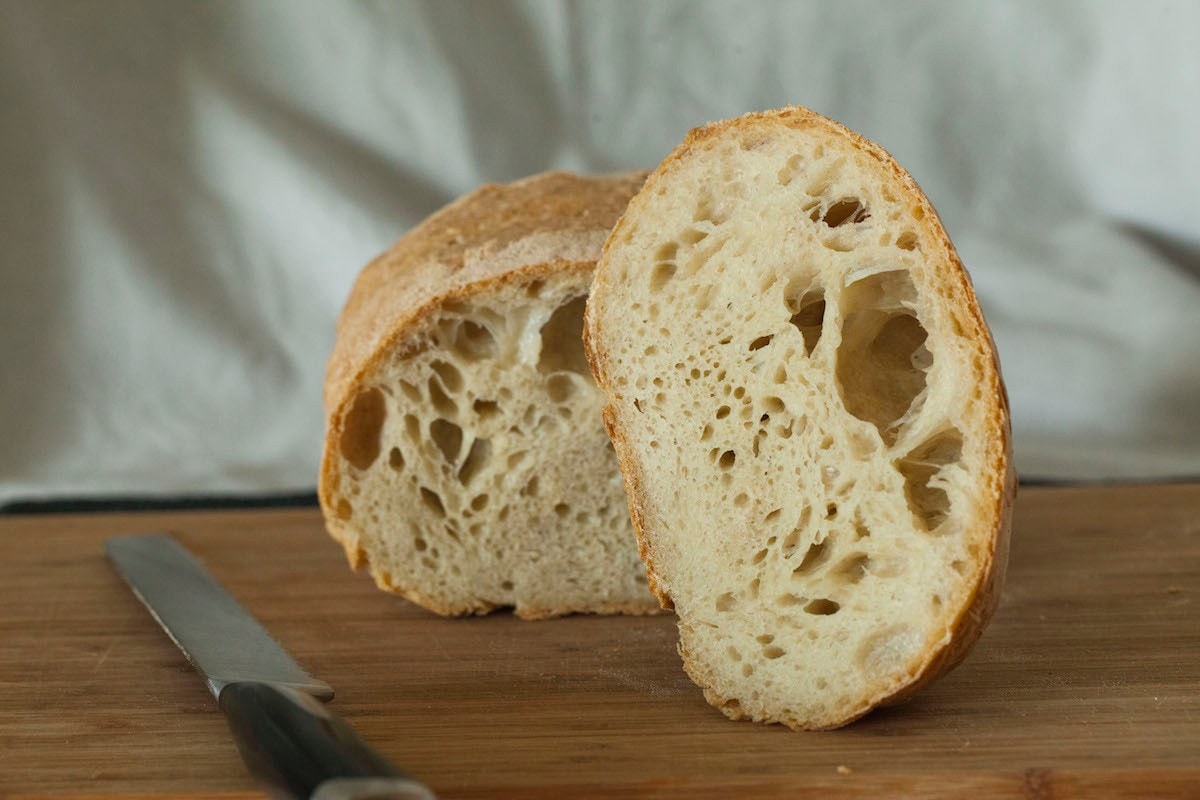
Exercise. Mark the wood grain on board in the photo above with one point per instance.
(1086, 684)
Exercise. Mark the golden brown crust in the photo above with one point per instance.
(1001, 477)
(472, 246)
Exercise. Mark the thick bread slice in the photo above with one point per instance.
(810, 419)
(465, 459)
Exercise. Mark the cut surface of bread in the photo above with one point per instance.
(810, 419)
(466, 461)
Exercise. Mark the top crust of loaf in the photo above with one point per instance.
(951, 282)
(498, 228)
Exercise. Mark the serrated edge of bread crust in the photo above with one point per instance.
(1001, 476)
(352, 362)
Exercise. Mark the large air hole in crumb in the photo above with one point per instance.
(725, 602)
(881, 342)
(560, 388)
(839, 244)
(807, 310)
(704, 295)
(411, 392)
(703, 211)
(439, 399)
(852, 568)
(362, 428)
(485, 409)
(562, 340)
(666, 251)
(451, 377)
(760, 343)
(433, 501)
(661, 275)
(396, 459)
(930, 504)
(477, 458)
(822, 607)
(847, 211)
(789, 545)
(448, 438)
(789, 170)
(469, 340)
(814, 558)
(773, 652)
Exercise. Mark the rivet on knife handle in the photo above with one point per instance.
(294, 745)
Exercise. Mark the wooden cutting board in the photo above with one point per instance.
(1086, 684)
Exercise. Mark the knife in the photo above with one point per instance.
(288, 739)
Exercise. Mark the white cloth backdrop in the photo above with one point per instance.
(187, 191)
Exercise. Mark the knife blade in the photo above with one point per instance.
(289, 740)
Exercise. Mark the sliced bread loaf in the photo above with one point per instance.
(809, 416)
(465, 459)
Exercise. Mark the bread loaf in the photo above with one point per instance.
(465, 460)
(810, 419)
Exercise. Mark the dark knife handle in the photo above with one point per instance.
(294, 745)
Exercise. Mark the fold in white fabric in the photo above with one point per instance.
(190, 189)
